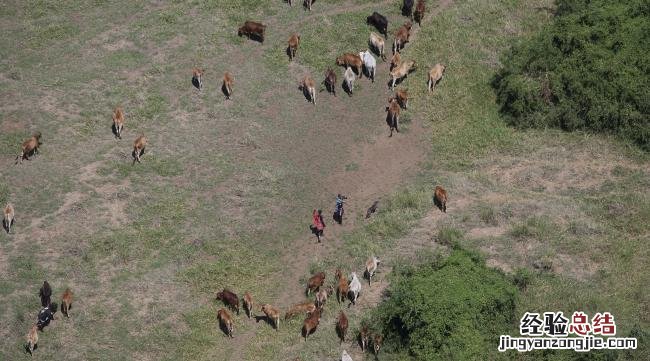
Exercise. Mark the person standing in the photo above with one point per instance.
(338, 211)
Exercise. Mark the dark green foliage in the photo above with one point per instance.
(450, 309)
(588, 70)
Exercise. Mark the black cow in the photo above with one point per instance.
(380, 22)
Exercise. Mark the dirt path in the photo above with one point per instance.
(383, 164)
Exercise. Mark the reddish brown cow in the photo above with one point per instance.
(402, 97)
(342, 326)
(139, 144)
(419, 12)
(440, 198)
(294, 42)
(118, 122)
(225, 320)
(305, 307)
(66, 302)
(248, 304)
(402, 36)
(315, 282)
(229, 298)
(364, 337)
(311, 323)
(252, 29)
(273, 314)
(342, 288)
(392, 118)
(351, 60)
(330, 81)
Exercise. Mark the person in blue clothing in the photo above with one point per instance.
(338, 211)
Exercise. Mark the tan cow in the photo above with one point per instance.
(435, 75)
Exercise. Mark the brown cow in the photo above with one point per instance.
(402, 36)
(46, 294)
(311, 323)
(402, 97)
(322, 295)
(440, 198)
(308, 87)
(351, 60)
(226, 87)
(66, 302)
(392, 116)
(8, 217)
(118, 122)
(376, 343)
(32, 339)
(294, 42)
(342, 288)
(305, 307)
(402, 71)
(364, 337)
(139, 144)
(342, 326)
(229, 298)
(29, 147)
(395, 61)
(419, 12)
(435, 75)
(273, 314)
(315, 282)
(197, 75)
(248, 304)
(330, 81)
(252, 29)
(225, 320)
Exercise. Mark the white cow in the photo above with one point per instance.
(369, 62)
(349, 77)
(355, 287)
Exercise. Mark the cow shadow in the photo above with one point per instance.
(288, 52)
(346, 89)
(224, 90)
(224, 329)
(195, 83)
(266, 319)
(256, 37)
(305, 93)
(114, 130)
(437, 203)
(27, 348)
(133, 154)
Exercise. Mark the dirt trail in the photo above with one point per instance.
(383, 164)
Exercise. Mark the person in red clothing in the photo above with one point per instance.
(318, 225)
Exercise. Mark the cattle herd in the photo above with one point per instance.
(345, 288)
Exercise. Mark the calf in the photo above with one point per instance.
(401, 95)
(252, 29)
(372, 209)
(273, 314)
(376, 343)
(355, 288)
(364, 337)
(308, 87)
(322, 295)
(46, 294)
(311, 323)
(435, 75)
(225, 321)
(330, 81)
(315, 282)
(395, 61)
(66, 302)
(349, 77)
(342, 326)
(29, 147)
(402, 71)
(32, 339)
(402, 36)
(248, 304)
(371, 267)
(377, 42)
(407, 8)
(392, 116)
(369, 62)
(305, 307)
(118, 122)
(139, 144)
(440, 198)
(379, 21)
(8, 217)
(351, 60)
(226, 87)
(294, 41)
(342, 288)
(197, 75)
(229, 298)
(419, 12)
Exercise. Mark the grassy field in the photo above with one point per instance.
(225, 191)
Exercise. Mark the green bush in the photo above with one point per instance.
(588, 70)
(448, 309)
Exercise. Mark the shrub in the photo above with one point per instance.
(450, 309)
(588, 70)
